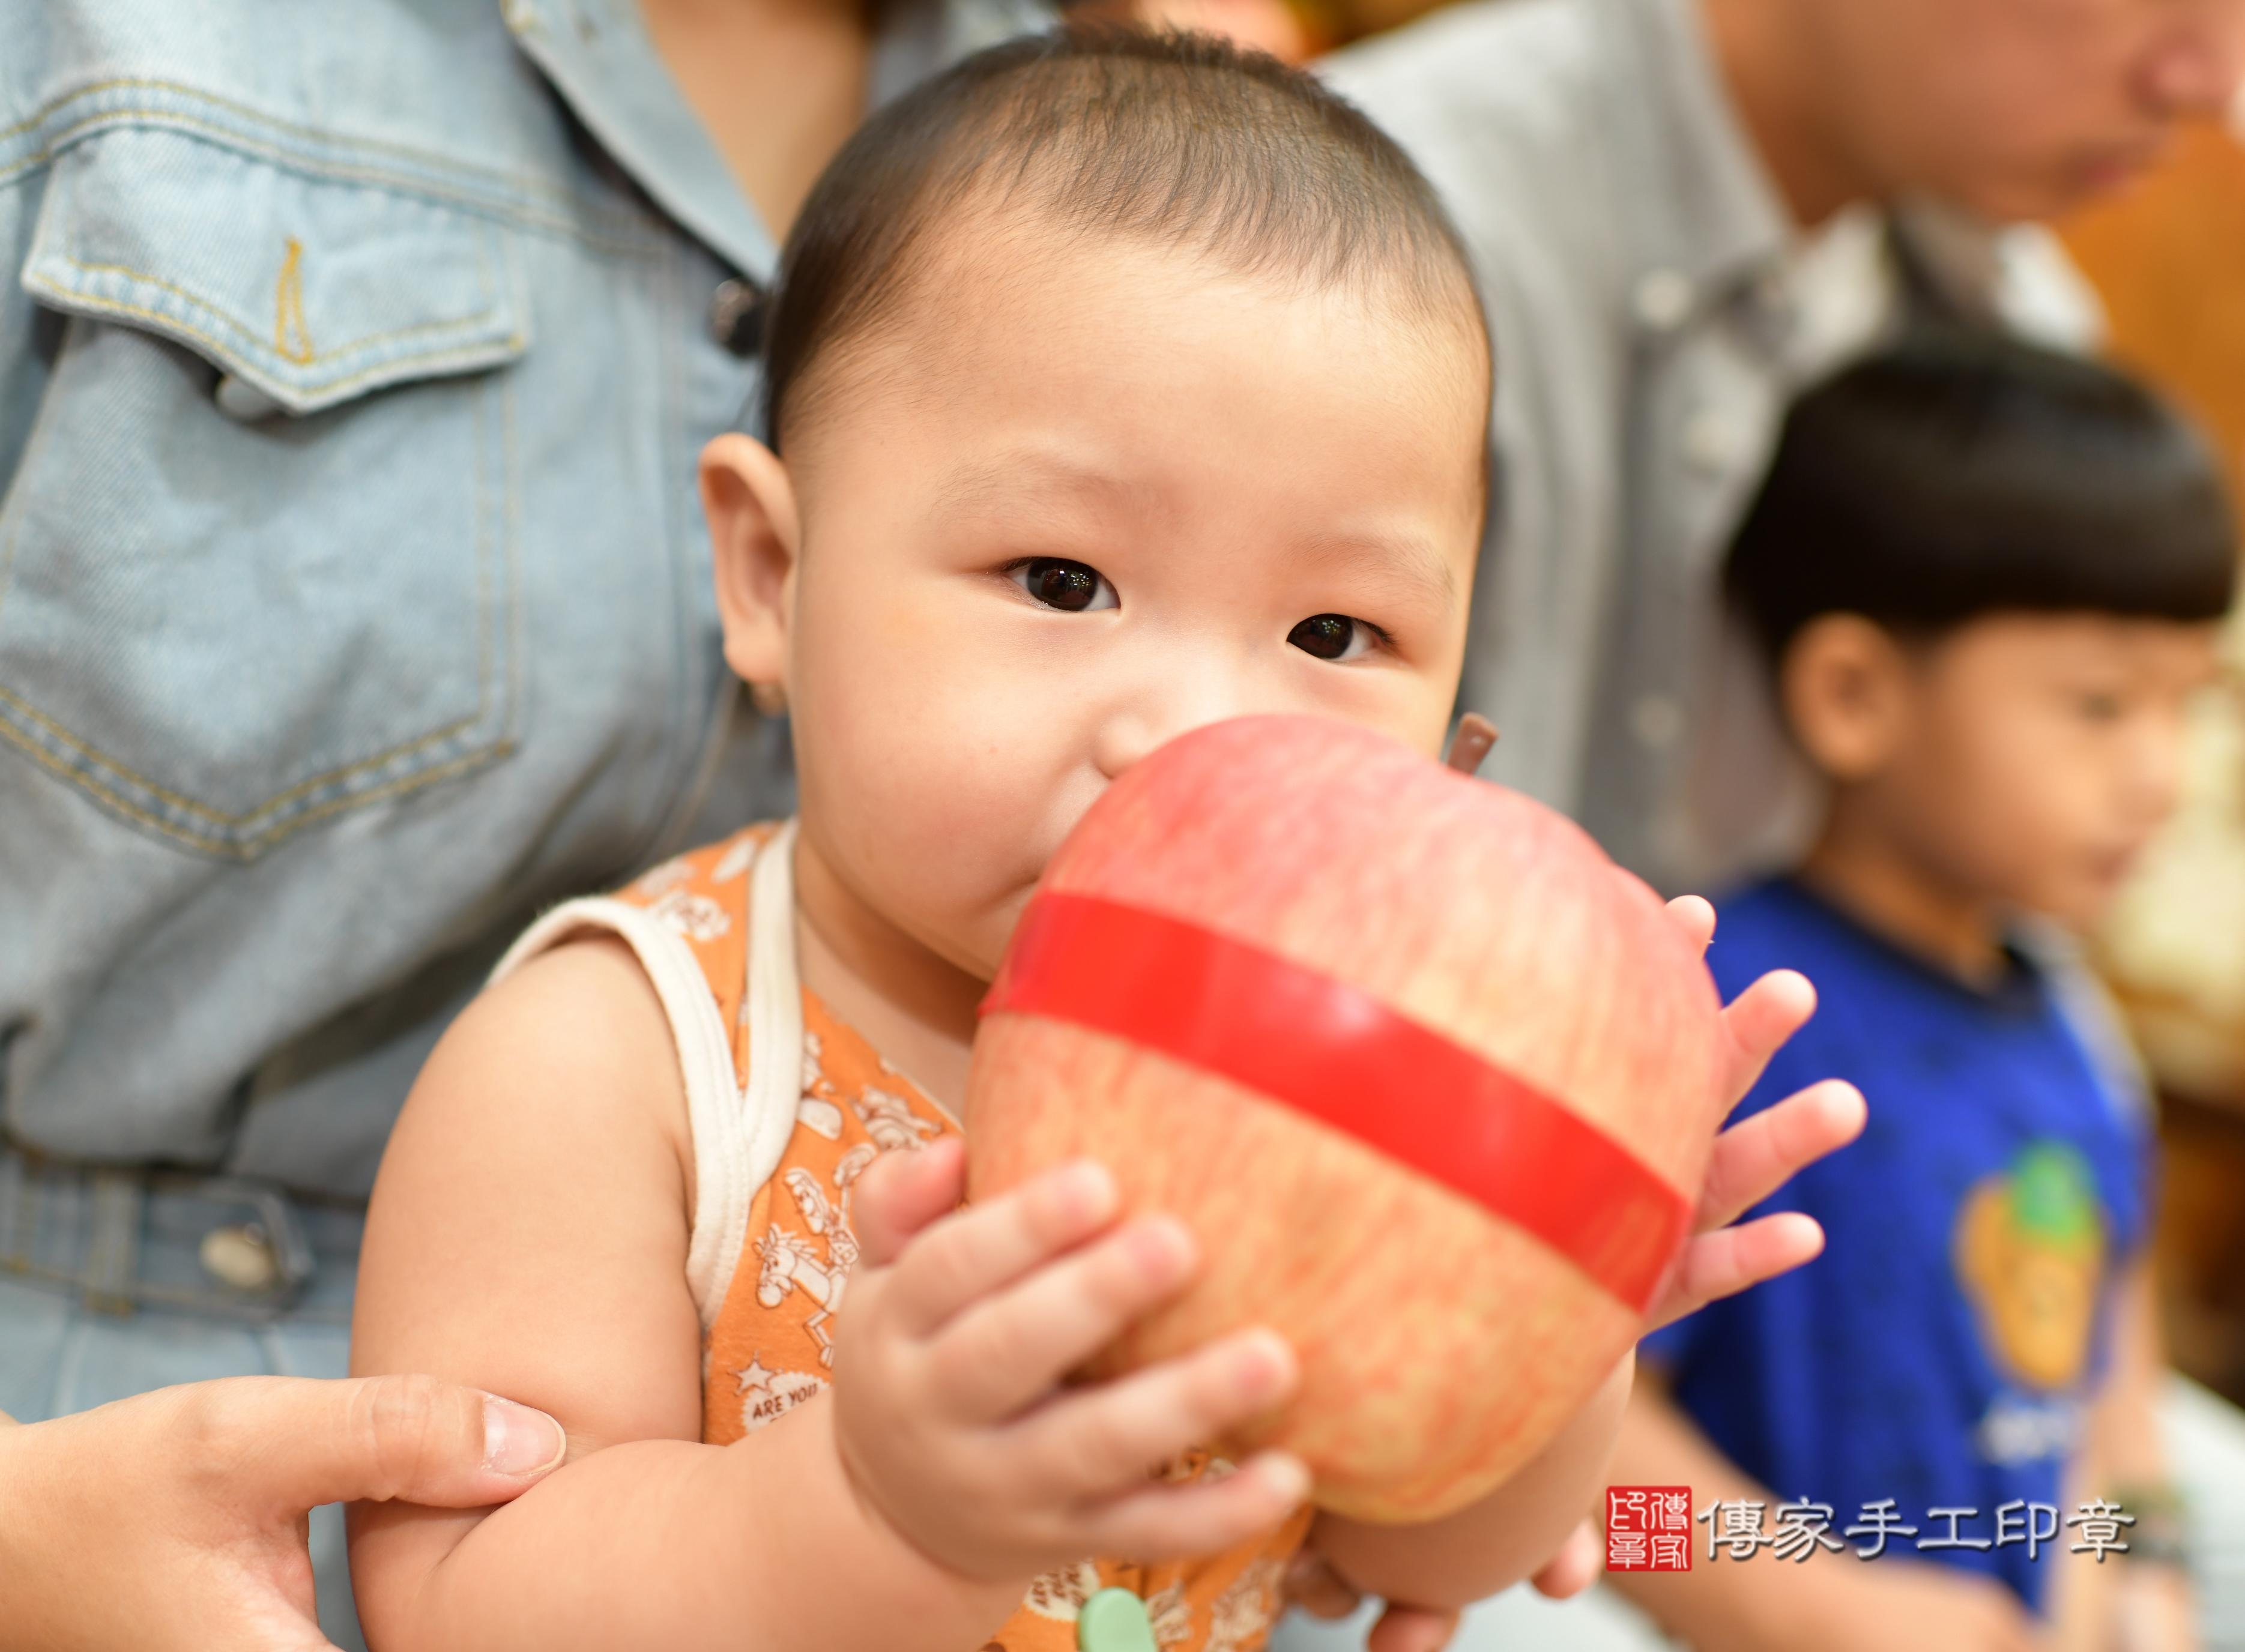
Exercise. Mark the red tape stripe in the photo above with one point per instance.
(1339, 1054)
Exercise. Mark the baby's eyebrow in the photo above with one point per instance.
(1404, 563)
(1037, 472)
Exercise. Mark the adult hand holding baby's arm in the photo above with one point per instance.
(175, 1519)
(951, 1412)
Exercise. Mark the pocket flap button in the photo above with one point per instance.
(240, 1256)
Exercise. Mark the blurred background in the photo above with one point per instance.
(2169, 259)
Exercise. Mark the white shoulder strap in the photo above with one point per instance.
(738, 1134)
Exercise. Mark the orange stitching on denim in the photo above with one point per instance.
(250, 848)
(292, 339)
(402, 182)
(290, 285)
(468, 355)
(525, 215)
(484, 641)
(318, 134)
(266, 806)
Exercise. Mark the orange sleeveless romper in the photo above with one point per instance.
(772, 1248)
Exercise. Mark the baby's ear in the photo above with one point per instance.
(755, 539)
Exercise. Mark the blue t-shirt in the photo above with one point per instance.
(1944, 1350)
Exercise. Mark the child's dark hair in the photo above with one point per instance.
(1964, 473)
(1180, 138)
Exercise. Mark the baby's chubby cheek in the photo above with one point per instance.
(943, 822)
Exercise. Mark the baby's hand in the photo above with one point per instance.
(950, 1410)
(1753, 1160)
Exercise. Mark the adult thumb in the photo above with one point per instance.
(298, 1443)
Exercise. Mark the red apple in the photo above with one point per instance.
(1432, 1081)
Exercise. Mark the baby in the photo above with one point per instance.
(1116, 385)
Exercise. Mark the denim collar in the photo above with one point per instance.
(599, 57)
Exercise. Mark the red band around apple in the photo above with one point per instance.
(1337, 1054)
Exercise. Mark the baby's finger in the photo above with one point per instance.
(987, 1247)
(902, 1192)
(1728, 1261)
(997, 1355)
(1312, 1584)
(1169, 1522)
(1411, 1628)
(1571, 1570)
(1098, 1441)
(1759, 1021)
(1754, 1159)
(1696, 916)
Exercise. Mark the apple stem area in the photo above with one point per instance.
(1473, 741)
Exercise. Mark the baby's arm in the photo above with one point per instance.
(1442, 1564)
(529, 1236)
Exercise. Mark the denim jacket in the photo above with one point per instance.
(354, 593)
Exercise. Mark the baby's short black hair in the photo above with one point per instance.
(1962, 473)
(1180, 138)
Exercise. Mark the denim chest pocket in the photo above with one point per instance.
(257, 561)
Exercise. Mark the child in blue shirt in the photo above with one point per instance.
(1986, 579)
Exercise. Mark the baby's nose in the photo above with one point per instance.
(1177, 703)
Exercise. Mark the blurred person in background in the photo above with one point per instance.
(1674, 210)
(1987, 581)
(354, 604)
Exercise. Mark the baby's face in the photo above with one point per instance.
(1055, 514)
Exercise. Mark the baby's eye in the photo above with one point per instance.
(1334, 636)
(1073, 587)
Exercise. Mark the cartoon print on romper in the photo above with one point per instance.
(768, 1395)
(1245, 1610)
(1061, 1593)
(889, 1120)
(1237, 1618)
(792, 1262)
(818, 1265)
(2029, 1254)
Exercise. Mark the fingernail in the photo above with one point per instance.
(1286, 1475)
(1163, 1244)
(517, 1441)
(1085, 1190)
(1266, 1365)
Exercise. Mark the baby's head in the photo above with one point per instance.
(1987, 578)
(1117, 384)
